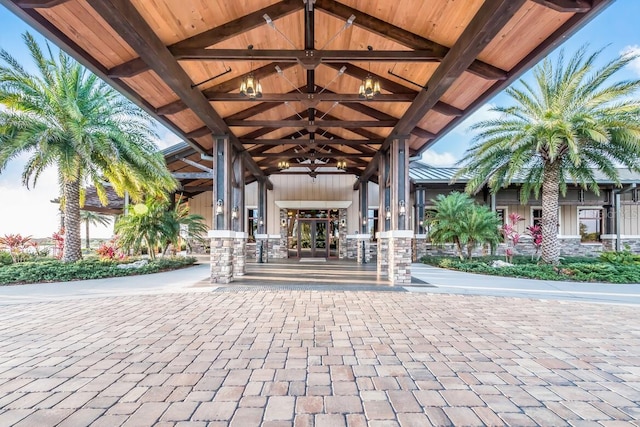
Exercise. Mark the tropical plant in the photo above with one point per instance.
(459, 220)
(17, 244)
(153, 224)
(92, 218)
(535, 231)
(65, 116)
(511, 235)
(571, 122)
(180, 219)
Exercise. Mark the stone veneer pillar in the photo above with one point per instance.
(222, 246)
(240, 254)
(421, 246)
(363, 243)
(383, 254)
(342, 234)
(262, 241)
(283, 252)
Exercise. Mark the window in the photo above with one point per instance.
(536, 217)
(372, 222)
(252, 217)
(590, 224)
(502, 214)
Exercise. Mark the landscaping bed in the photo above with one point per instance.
(579, 269)
(51, 270)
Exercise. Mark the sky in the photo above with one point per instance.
(30, 211)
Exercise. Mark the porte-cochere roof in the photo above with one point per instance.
(184, 60)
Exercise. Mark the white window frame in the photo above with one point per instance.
(532, 208)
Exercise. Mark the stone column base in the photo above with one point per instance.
(399, 255)
(240, 254)
(262, 247)
(383, 255)
(222, 245)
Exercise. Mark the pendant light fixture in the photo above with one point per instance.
(250, 85)
(370, 86)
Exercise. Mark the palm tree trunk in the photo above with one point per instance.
(72, 249)
(88, 241)
(550, 195)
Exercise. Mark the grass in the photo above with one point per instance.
(50, 270)
(579, 269)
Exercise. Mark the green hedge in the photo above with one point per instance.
(56, 271)
(570, 269)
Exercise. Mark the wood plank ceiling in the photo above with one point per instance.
(183, 61)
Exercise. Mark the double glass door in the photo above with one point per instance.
(313, 238)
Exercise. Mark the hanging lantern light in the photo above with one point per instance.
(250, 85)
(283, 165)
(369, 88)
(342, 165)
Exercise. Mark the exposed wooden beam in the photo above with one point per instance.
(196, 165)
(396, 88)
(566, 30)
(254, 110)
(310, 98)
(309, 59)
(572, 6)
(226, 86)
(308, 155)
(124, 18)
(346, 124)
(192, 175)
(215, 35)
(492, 16)
(38, 4)
(53, 33)
(404, 37)
(345, 142)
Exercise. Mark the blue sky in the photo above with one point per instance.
(30, 212)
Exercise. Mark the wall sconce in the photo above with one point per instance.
(260, 222)
(283, 222)
(343, 222)
(364, 220)
(388, 214)
(401, 208)
(219, 207)
(234, 212)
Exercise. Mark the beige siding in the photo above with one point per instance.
(202, 204)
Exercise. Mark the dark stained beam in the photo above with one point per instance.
(346, 124)
(309, 59)
(404, 37)
(316, 155)
(53, 33)
(124, 18)
(314, 98)
(261, 132)
(345, 142)
(572, 6)
(38, 4)
(396, 88)
(224, 87)
(484, 26)
(565, 31)
(215, 35)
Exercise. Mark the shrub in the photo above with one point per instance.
(57, 271)
(621, 257)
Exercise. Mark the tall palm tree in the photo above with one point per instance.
(65, 116)
(571, 121)
(92, 218)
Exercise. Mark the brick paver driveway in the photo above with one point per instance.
(272, 358)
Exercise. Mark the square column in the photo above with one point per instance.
(396, 249)
(363, 248)
(240, 254)
(222, 246)
(342, 234)
(421, 246)
(262, 248)
(383, 254)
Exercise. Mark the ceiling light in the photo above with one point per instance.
(250, 85)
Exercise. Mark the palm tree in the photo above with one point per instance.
(459, 220)
(92, 218)
(65, 116)
(570, 122)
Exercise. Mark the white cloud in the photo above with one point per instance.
(632, 50)
(166, 138)
(435, 159)
(483, 113)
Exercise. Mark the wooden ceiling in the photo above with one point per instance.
(183, 61)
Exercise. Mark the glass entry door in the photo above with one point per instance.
(312, 238)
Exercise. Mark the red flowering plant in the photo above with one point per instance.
(535, 231)
(17, 244)
(111, 250)
(58, 242)
(511, 235)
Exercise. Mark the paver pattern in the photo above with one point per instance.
(310, 358)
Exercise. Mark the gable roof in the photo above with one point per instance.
(182, 61)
